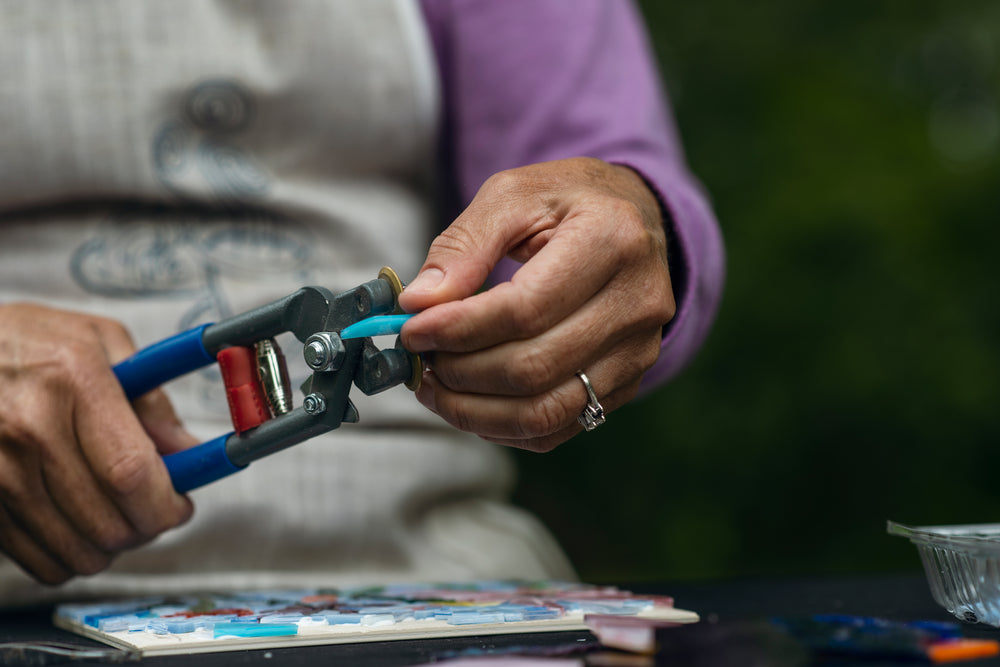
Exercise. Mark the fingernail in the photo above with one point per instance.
(426, 281)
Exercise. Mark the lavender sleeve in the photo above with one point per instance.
(526, 81)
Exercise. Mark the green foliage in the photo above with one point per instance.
(853, 376)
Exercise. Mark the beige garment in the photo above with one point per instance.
(172, 163)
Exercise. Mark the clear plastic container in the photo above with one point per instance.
(962, 564)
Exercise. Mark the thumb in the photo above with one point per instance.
(460, 258)
(452, 271)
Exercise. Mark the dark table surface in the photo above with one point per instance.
(727, 609)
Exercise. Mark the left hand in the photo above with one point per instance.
(593, 293)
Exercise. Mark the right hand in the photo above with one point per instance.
(81, 473)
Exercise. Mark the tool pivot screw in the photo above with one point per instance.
(314, 404)
(324, 351)
(315, 354)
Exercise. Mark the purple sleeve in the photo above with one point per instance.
(526, 81)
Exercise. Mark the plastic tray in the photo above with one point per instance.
(962, 564)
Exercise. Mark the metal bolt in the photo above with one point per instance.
(315, 354)
(324, 351)
(314, 404)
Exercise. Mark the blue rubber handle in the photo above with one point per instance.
(195, 467)
(172, 357)
(375, 326)
(150, 367)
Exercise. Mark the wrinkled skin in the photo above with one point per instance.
(81, 474)
(594, 294)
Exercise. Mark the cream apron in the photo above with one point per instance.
(172, 163)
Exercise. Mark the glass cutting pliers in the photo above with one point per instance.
(336, 332)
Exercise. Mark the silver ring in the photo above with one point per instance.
(592, 415)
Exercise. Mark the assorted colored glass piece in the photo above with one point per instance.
(281, 613)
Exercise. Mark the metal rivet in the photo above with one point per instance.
(363, 302)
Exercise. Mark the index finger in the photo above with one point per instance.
(557, 281)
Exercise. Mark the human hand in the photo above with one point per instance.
(593, 293)
(81, 473)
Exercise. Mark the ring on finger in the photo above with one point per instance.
(593, 414)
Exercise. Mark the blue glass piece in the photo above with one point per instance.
(511, 612)
(180, 626)
(281, 618)
(378, 619)
(93, 614)
(254, 630)
(157, 627)
(398, 612)
(610, 607)
(540, 613)
(475, 618)
(339, 618)
(118, 623)
(208, 622)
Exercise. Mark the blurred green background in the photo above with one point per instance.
(853, 376)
